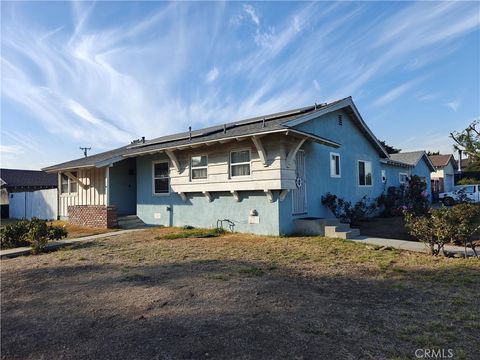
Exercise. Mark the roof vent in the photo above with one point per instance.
(340, 120)
(143, 139)
(263, 122)
(189, 133)
(224, 128)
(316, 106)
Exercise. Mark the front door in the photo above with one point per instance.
(299, 194)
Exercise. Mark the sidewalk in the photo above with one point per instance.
(10, 253)
(410, 245)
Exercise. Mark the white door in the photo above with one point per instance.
(299, 194)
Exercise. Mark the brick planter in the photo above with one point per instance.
(98, 216)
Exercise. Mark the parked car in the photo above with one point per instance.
(469, 193)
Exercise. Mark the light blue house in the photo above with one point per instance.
(266, 174)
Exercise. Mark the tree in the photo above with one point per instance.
(430, 153)
(468, 141)
(390, 149)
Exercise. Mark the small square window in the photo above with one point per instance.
(403, 178)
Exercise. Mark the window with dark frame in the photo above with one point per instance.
(199, 167)
(364, 173)
(161, 178)
(335, 165)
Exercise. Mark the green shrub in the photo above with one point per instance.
(416, 196)
(390, 201)
(468, 181)
(344, 210)
(35, 233)
(13, 235)
(444, 225)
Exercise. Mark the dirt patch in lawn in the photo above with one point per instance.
(76, 231)
(143, 295)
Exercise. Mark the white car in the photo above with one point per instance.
(469, 192)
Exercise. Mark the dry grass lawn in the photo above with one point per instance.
(153, 295)
(76, 231)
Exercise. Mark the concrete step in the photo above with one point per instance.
(128, 217)
(342, 231)
(130, 222)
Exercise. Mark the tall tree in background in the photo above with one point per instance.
(390, 149)
(468, 141)
(430, 153)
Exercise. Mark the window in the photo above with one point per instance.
(64, 184)
(161, 178)
(67, 185)
(403, 178)
(240, 163)
(198, 165)
(335, 165)
(73, 184)
(364, 173)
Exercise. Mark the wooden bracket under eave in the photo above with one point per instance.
(269, 195)
(77, 180)
(260, 149)
(174, 160)
(236, 196)
(208, 196)
(283, 194)
(292, 153)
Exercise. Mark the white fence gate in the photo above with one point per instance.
(42, 204)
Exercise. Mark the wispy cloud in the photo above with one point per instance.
(394, 93)
(11, 149)
(107, 82)
(212, 75)
(454, 104)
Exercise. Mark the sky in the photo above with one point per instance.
(100, 74)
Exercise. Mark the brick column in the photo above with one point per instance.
(97, 216)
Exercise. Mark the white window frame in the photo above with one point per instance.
(69, 183)
(400, 178)
(358, 173)
(333, 165)
(249, 163)
(198, 167)
(153, 177)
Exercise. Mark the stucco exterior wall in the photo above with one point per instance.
(354, 147)
(123, 186)
(172, 210)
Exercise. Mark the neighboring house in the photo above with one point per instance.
(419, 165)
(262, 173)
(443, 178)
(14, 180)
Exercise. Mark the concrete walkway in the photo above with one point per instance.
(411, 245)
(10, 253)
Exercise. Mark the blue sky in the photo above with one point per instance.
(102, 74)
